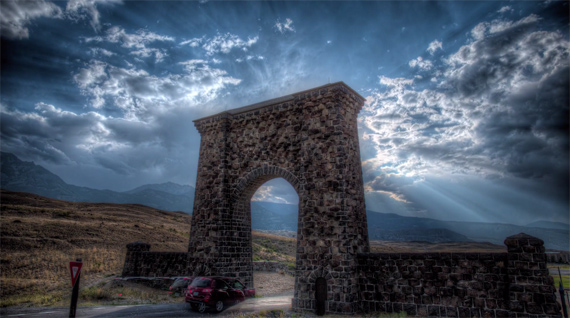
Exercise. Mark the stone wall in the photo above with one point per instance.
(558, 257)
(140, 262)
(267, 266)
(162, 265)
(513, 284)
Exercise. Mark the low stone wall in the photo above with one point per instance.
(266, 266)
(513, 284)
(435, 284)
(140, 262)
(559, 257)
(153, 282)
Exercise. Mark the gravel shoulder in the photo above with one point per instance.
(272, 283)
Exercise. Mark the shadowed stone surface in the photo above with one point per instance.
(309, 139)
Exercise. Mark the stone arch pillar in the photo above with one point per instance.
(309, 138)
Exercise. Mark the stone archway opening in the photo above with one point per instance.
(242, 217)
(274, 208)
(275, 200)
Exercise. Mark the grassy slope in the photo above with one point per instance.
(426, 247)
(40, 236)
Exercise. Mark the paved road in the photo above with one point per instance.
(166, 310)
(554, 271)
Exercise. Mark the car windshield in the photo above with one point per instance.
(201, 282)
(180, 282)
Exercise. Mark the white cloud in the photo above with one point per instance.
(16, 15)
(505, 9)
(224, 43)
(97, 51)
(434, 46)
(146, 131)
(266, 193)
(136, 42)
(250, 58)
(140, 95)
(195, 42)
(484, 29)
(84, 9)
(495, 112)
(286, 26)
(421, 63)
(396, 82)
(159, 54)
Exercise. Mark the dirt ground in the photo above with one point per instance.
(272, 283)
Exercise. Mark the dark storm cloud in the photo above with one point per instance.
(16, 15)
(521, 82)
(48, 134)
(498, 108)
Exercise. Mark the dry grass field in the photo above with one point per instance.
(40, 236)
(426, 247)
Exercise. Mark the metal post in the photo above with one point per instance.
(562, 298)
(74, 295)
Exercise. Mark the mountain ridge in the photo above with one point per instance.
(18, 175)
(23, 176)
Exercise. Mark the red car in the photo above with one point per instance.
(216, 292)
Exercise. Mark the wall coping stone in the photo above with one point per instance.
(278, 100)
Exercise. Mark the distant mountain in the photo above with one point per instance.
(549, 225)
(475, 231)
(279, 208)
(274, 216)
(168, 187)
(421, 235)
(18, 175)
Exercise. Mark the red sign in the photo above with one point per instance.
(75, 268)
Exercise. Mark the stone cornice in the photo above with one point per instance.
(280, 100)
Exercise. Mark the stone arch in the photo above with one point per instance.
(247, 185)
(313, 279)
(310, 139)
(240, 209)
(320, 272)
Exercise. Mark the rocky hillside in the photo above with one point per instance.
(18, 175)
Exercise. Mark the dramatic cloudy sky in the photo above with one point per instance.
(467, 105)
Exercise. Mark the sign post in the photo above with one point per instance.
(75, 269)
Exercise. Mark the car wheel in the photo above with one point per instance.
(201, 307)
(219, 305)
